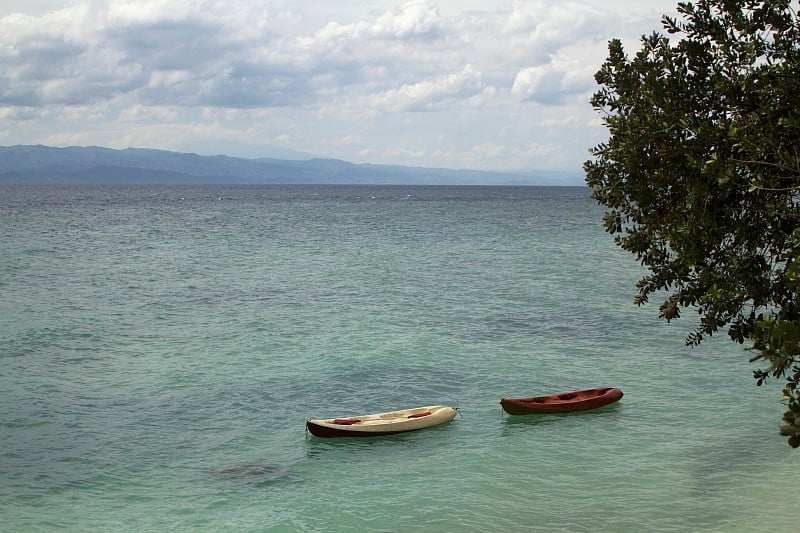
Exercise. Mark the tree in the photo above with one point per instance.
(702, 179)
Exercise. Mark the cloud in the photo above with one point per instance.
(431, 82)
(139, 112)
(540, 83)
(19, 113)
(164, 53)
(417, 19)
(427, 94)
(554, 83)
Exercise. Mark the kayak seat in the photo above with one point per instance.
(420, 415)
(346, 421)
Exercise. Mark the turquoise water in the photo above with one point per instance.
(162, 348)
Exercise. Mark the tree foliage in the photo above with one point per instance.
(701, 175)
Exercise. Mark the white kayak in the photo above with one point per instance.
(382, 423)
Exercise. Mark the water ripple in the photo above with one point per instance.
(164, 346)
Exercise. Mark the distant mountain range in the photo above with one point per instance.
(76, 164)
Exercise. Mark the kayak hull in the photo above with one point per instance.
(379, 424)
(565, 402)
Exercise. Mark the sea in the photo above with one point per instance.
(162, 347)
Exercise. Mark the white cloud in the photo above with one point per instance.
(537, 81)
(417, 18)
(553, 83)
(423, 82)
(20, 113)
(349, 140)
(426, 94)
(147, 113)
(282, 138)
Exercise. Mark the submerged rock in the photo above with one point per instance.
(251, 473)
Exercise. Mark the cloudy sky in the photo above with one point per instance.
(493, 84)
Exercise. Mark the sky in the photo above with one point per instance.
(463, 84)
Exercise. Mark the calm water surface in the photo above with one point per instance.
(163, 346)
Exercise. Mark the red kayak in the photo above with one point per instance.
(565, 402)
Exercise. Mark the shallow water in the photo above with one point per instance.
(163, 346)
